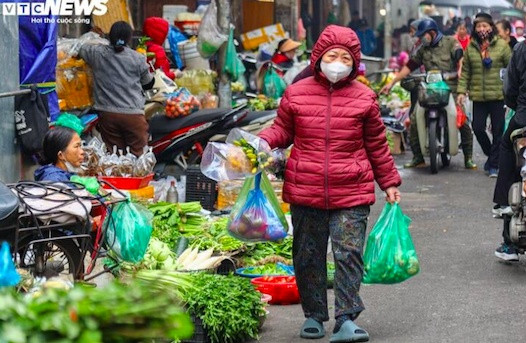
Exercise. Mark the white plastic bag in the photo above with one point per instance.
(210, 37)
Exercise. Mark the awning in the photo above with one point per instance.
(474, 3)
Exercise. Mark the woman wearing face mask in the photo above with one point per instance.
(339, 150)
(285, 53)
(485, 56)
(62, 155)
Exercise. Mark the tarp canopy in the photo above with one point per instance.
(473, 3)
(38, 56)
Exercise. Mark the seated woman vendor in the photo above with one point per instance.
(285, 53)
(62, 155)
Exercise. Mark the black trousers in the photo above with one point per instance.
(496, 111)
(509, 172)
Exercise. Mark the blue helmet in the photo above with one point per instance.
(426, 25)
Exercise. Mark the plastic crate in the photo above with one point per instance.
(200, 334)
(200, 188)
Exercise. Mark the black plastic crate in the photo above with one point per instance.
(200, 334)
(200, 188)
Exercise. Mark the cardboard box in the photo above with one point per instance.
(253, 39)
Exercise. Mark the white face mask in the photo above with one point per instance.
(71, 168)
(335, 71)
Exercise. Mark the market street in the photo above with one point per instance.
(462, 293)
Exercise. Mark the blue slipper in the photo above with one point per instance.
(312, 329)
(350, 332)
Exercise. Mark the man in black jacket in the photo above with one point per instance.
(509, 172)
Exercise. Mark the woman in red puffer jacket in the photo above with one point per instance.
(340, 149)
(157, 29)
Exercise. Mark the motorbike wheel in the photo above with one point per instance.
(445, 156)
(433, 148)
(49, 259)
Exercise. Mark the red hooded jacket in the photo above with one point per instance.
(157, 29)
(340, 147)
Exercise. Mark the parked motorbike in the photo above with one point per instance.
(516, 196)
(435, 116)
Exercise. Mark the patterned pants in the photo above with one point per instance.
(312, 229)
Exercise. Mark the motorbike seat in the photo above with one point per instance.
(161, 125)
(8, 206)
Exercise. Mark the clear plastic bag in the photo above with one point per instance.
(127, 162)
(390, 255)
(145, 163)
(210, 37)
(8, 275)
(129, 231)
(257, 214)
(181, 103)
(221, 162)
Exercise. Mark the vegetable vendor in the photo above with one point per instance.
(340, 149)
(62, 155)
(285, 53)
(120, 77)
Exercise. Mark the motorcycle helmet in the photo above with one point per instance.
(426, 25)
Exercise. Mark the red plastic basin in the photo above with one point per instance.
(282, 289)
(127, 183)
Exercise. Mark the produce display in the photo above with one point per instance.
(268, 252)
(133, 312)
(181, 103)
(237, 87)
(268, 269)
(229, 306)
(262, 103)
(98, 162)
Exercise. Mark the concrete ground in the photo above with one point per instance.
(462, 294)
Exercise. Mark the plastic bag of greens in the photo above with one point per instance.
(70, 121)
(129, 228)
(233, 65)
(257, 215)
(210, 37)
(273, 84)
(390, 255)
(8, 274)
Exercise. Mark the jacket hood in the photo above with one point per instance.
(337, 37)
(49, 172)
(157, 29)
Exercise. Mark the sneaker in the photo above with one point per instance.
(499, 211)
(469, 164)
(493, 173)
(415, 163)
(507, 253)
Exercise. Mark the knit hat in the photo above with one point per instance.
(483, 18)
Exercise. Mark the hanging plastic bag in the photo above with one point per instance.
(129, 228)
(223, 162)
(390, 255)
(210, 38)
(8, 275)
(273, 84)
(257, 215)
(461, 117)
(233, 65)
(174, 37)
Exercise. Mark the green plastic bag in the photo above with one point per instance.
(70, 121)
(233, 65)
(509, 114)
(390, 255)
(129, 228)
(257, 215)
(90, 183)
(273, 85)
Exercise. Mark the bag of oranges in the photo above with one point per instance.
(181, 103)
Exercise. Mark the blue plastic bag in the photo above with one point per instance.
(8, 275)
(257, 214)
(175, 36)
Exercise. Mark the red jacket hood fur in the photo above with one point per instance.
(157, 29)
(340, 147)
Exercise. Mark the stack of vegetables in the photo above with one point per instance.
(135, 312)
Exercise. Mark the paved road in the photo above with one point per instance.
(462, 293)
